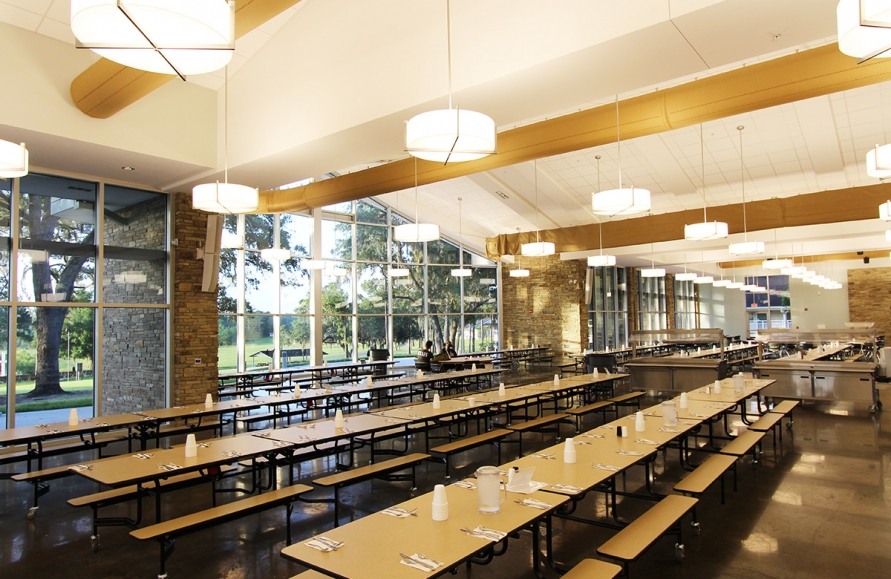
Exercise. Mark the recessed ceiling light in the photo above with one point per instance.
(128, 168)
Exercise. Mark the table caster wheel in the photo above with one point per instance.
(696, 528)
(873, 408)
(679, 552)
(32, 512)
(94, 543)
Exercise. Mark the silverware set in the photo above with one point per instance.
(143, 455)
(484, 533)
(169, 466)
(543, 455)
(421, 560)
(325, 544)
(534, 504)
(400, 512)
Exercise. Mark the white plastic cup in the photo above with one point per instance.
(640, 423)
(72, 417)
(436, 402)
(717, 386)
(473, 367)
(595, 373)
(471, 401)
(556, 379)
(368, 382)
(420, 373)
(338, 419)
(191, 446)
(440, 509)
(501, 391)
(683, 400)
(208, 400)
(297, 391)
(569, 451)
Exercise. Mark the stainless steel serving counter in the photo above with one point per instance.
(674, 374)
(819, 380)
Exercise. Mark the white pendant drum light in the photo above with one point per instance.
(163, 36)
(225, 197)
(519, 272)
(864, 28)
(13, 160)
(687, 275)
(602, 260)
(707, 229)
(450, 134)
(888, 235)
(878, 162)
(538, 248)
(624, 200)
(416, 232)
(745, 247)
(702, 278)
(312, 264)
(461, 271)
(275, 254)
(397, 272)
(652, 271)
(885, 211)
(776, 263)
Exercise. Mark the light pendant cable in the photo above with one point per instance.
(704, 230)
(620, 201)
(703, 279)
(461, 271)
(746, 247)
(687, 275)
(450, 135)
(225, 197)
(600, 260)
(416, 232)
(652, 271)
(776, 262)
(539, 248)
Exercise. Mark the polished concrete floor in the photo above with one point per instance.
(818, 507)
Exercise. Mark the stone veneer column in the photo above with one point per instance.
(195, 325)
(869, 298)
(546, 308)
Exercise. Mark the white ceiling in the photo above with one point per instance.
(308, 97)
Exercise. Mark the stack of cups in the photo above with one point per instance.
(569, 451)
(420, 373)
(436, 403)
(556, 379)
(595, 373)
(471, 401)
(368, 382)
(717, 386)
(440, 503)
(208, 401)
(640, 423)
(191, 446)
(338, 419)
(473, 367)
(72, 417)
(297, 391)
(683, 399)
(501, 391)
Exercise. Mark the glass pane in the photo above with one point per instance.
(337, 240)
(337, 338)
(368, 211)
(480, 333)
(295, 287)
(258, 231)
(5, 198)
(442, 251)
(407, 252)
(372, 289)
(372, 334)
(408, 292)
(133, 359)
(444, 328)
(227, 357)
(54, 364)
(474, 259)
(408, 336)
(337, 289)
(294, 333)
(296, 233)
(779, 291)
(260, 287)
(371, 243)
(135, 246)
(4, 364)
(481, 291)
(227, 283)
(257, 341)
(345, 207)
(443, 293)
(56, 222)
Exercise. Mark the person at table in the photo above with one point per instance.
(449, 350)
(422, 362)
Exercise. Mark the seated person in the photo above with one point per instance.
(449, 350)
(422, 362)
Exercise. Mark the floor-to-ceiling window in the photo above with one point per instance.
(88, 288)
(652, 302)
(770, 309)
(685, 311)
(608, 308)
(361, 307)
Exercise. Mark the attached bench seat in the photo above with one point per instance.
(786, 407)
(747, 442)
(383, 470)
(662, 519)
(539, 424)
(769, 422)
(601, 407)
(629, 399)
(123, 494)
(698, 481)
(492, 436)
(591, 569)
(167, 532)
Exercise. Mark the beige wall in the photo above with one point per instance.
(814, 306)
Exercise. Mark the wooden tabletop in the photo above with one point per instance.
(752, 386)
(38, 432)
(425, 411)
(363, 557)
(321, 431)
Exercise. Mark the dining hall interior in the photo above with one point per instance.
(573, 288)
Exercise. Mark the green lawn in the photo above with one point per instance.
(228, 355)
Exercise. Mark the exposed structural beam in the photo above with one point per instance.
(813, 209)
(808, 260)
(792, 78)
(107, 87)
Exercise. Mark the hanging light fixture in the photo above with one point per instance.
(519, 272)
(163, 36)
(702, 278)
(864, 28)
(687, 275)
(461, 271)
(707, 229)
(538, 248)
(602, 260)
(745, 247)
(885, 211)
(312, 264)
(450, 134)
(225, 197)
(397, 272)
(13, 160)
(275, 254)
(776, 263)
(624, 200)
(878, 162)
(416, 232)
(652, 271)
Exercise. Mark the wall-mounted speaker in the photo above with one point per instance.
(212, 253)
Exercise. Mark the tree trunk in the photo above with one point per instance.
(46, 368)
